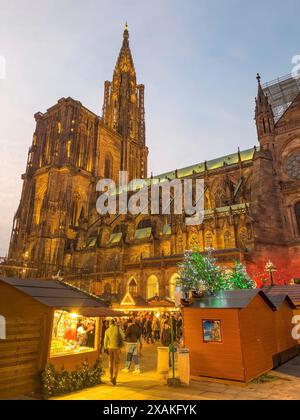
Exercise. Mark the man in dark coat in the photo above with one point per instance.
(132, 338)
(166, 335)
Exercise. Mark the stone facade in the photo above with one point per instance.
(252, 210)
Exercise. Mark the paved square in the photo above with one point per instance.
(147, 386)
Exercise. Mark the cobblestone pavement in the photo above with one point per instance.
(147, 386)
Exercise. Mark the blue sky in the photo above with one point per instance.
(197, 58)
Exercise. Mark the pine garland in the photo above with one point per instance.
(55, 383)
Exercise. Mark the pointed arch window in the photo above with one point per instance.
(108, 167)
(227, 240)
(152, 287)
(220, 198)
(297, 213)
(209, 240)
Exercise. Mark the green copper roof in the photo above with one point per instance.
(115, 238)
(233, 159)
(167, 230)
(91, 242)
(143, 233)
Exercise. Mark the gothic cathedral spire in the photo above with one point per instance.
(123, 109)
(124, 112)
(264, 117)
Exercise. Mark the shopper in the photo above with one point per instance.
(166, 338)
(179, 327)
(166, 335)
(113, 342)
(156, 328)
(132, 338)
(90, 335)
(148, 327)
(139, 324)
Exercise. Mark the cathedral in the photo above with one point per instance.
(252, 197)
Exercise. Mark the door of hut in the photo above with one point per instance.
(20, 355)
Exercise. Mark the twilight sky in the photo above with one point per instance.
(197, 58)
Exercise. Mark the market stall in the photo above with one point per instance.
(287, 347)
(131, 302)
(231, 335)
(47, 322)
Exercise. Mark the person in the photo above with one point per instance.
(144, 322)
(139, 324)
(90, 335)
(81, 335)
(166, 335)
(156, 328)
(132, 337)
(113, 342)
(174, 327)
(148, 327)
(166, 338)
(179, 327)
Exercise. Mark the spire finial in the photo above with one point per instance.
(258, 78)
(126, 32)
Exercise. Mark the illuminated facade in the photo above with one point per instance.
(252, 197)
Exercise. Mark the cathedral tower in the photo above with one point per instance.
(124, 112)
(72, 149)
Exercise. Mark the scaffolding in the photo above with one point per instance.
(281, 92)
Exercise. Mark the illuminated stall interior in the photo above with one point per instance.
(73, 334)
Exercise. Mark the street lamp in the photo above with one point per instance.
(271, 268)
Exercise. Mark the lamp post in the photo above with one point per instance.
(271, 268)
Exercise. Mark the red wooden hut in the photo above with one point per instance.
(231, 335)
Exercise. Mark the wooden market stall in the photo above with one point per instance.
(292, 291)
(287, 347)
(45, 322)
(231, 335)
(132, 302)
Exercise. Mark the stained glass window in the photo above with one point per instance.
(293, 165)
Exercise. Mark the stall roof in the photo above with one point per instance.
(293, 292)
(54, 293)
(235, 299)
(278, 300)
(160, 302)
(99, 312)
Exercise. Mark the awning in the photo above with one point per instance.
(98, 312)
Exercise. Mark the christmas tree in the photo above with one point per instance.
(237, 278)
(200, 272)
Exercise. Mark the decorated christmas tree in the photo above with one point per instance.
(237, 278)
(200, 272)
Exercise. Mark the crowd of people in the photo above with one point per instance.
(136, 330)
